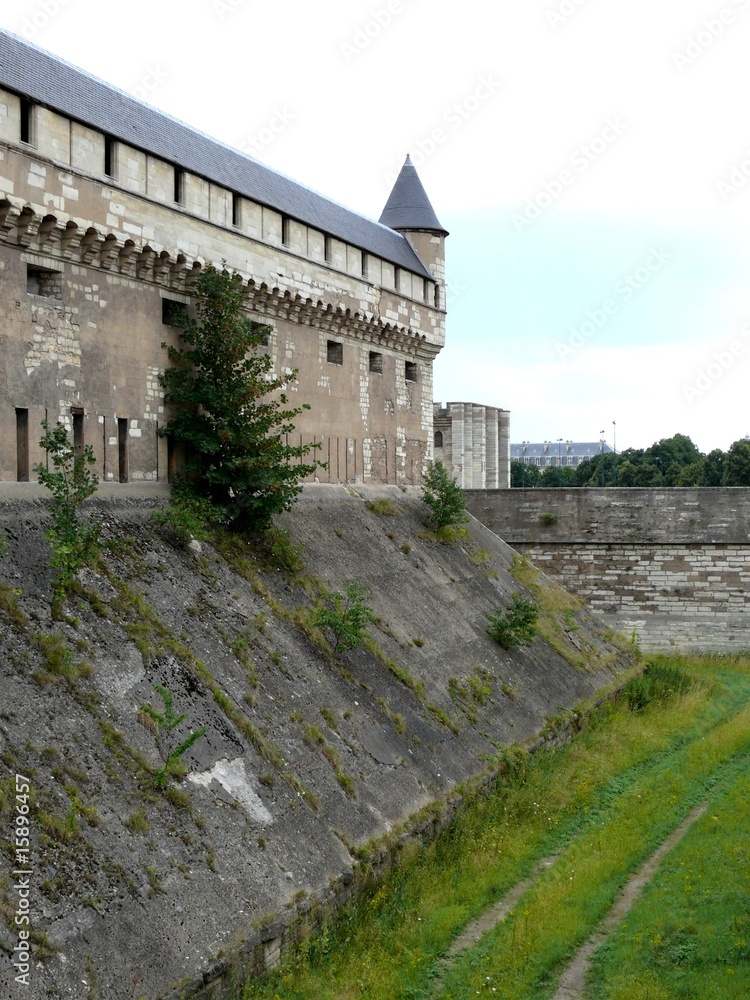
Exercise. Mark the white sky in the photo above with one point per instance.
(494, 101)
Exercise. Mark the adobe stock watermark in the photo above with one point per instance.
(365, 34)
(46, 11)
(721, 362)
(454, 290)
(710, 30)
(223, 8)
(279, 121)
(563, 12)
(151, 81)
(451, 120)
(580, 160)
(739, 175)
(20, 839)
(625, 289)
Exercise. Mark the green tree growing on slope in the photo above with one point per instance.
(71, 480)
(228, 411)
(444, 497)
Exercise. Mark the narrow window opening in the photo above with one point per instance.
(27, 121)
(397, 278)
(179, 186)
(172, 313)
(410, 371)
(335, 352)
(438, 439)
(437, 295)
(78, 442)
(44, 282)
(22, 445)
(328, 249)
(122, 448)
(376, 362)
(426, 290)
(285, 230)
(110, 157)
(236, 211)
(365, 264)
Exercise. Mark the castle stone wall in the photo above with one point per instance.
(670, 565)
(117, 246)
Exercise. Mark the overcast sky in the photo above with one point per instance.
(591, 159)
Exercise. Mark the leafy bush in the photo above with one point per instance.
(444, 497)
(70, 481)
(348, 618)
(658, 682)
(517, 625)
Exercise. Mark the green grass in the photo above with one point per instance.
(689, 936)
(582, 800)
(522, 955)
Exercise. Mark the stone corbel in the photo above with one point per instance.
(26, 226)
(144, 261)
(90, 244)
(70, 238)
(126, 259)
(108, 248)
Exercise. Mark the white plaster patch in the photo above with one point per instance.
(232, 777)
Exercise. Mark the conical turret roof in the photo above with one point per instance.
(408, 206)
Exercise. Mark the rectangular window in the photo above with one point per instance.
(78, 442)
(426, 290)
(28, 122)
(172, 313)
(179, 186)
(397, 278)
(365, 264)
(437, 295)
(122, 448)
(236, 210)
(110, 157)
(376, 362)
(410, 371)
(328, 249)
(335, 353)
(44, 282)
(285, 230)
(22, 445)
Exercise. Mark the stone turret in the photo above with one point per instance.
(408, 211)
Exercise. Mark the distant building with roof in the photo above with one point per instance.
(109, 210)
(473, 443)
(547, 454)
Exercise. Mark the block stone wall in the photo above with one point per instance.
(671, 566)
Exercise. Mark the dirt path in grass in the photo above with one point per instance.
(573, 978)
(489, 919)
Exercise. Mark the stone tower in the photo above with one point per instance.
(408, 211)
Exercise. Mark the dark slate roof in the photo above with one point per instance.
(46, 79)
(586, 449)
(408, 206)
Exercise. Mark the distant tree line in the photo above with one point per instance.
(674, 461)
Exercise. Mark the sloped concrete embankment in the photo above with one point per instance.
(136, 891)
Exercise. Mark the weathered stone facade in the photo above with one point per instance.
(670, 565)
(98, 237)
(473, 443)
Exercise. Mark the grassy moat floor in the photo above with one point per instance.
(570, 828)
